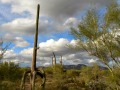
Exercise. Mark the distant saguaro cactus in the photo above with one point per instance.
(54, 59)
(61, 62)
(34, 71)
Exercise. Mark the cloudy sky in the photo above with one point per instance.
(17, 25)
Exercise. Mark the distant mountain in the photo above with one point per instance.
(76, 67)
(103, 68)
(79, 66)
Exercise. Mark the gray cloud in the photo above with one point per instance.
(18, 41)
(80, 57)
(56, 10)
(57, 14)
(26, 26)
(60, 9)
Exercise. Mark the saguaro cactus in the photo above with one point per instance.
(54, 59)
(34, 71)
(61, 60)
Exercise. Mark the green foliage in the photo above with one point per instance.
(113, 83)
(72, 73)
(10, 75)
(58, 68)
(87, 78)
(49, 70)
(112, 16)
(98, 34)
(8, 85)
(93, 78)
(10, 71)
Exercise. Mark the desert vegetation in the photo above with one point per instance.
(86, 78)
(95, 34)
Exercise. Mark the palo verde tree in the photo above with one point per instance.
(98, 35)
(34, 71)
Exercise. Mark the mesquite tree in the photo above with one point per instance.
(34, 71)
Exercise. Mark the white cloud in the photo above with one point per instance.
(26, 52)
(20, 42)
(92, 61)
(9, 55)
(46, 64)
(53, 45)
(46, 48)
(71, 22)
(44, 56)
(60, 47)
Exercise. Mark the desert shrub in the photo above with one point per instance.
(8, 85)
(49, 70)
(72, 73)
(113, 81)
(58, 68)
(10, 71)
(58, 72)
(93, 78)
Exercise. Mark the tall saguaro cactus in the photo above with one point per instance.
(34, 71)
(33, 67)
